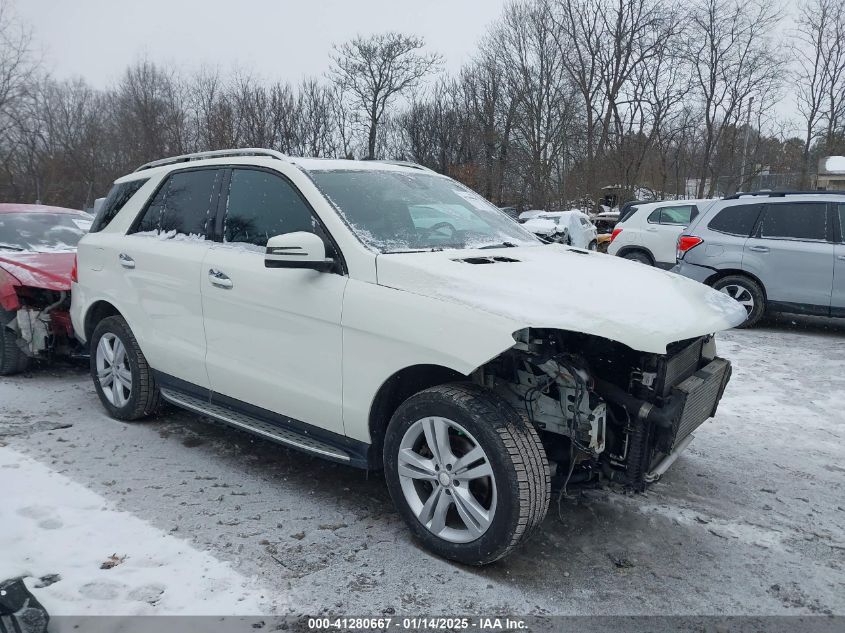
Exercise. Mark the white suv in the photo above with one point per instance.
(314, 302)
(648, 232)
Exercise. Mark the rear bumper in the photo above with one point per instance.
(693, 271)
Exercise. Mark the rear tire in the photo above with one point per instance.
(746, 291)
(593, 246)
(122, 377)
(474, 510)
(13, 360)
(638, 256)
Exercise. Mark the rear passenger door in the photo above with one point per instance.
(274, 334)
(161, 261)
(791, 254)
(663, 227)
(837, 301)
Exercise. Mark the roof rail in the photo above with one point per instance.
(781, 194)
(217, 153)
(405, 163)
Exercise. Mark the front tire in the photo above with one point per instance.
(468, 475)
(13, 360)
(747, 292)
(122, 377)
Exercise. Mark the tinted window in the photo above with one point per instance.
(627, 212)
(654, 217)
(677, 215)
(736, 220)
(795, 220)
(842, 223)
(184, 204)
(115, 201)
(262, 205)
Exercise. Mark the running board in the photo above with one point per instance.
(254, 425)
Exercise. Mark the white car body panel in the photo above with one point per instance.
(555, 287)
(580, 234)
(274, 338)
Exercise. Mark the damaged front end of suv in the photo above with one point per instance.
(604, 410)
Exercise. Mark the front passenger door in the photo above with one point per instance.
(274, 334)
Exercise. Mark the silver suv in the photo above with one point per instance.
(771, 251)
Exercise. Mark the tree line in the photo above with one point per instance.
(562, 100)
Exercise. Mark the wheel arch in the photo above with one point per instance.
(400, 386)
(636, 248)
(735, 272)
(98, 311)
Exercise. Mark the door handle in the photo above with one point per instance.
(126, 261)
(219, 279)
(759, 249)
(842, 257)
(651, 229)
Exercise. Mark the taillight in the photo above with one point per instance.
(687, 243)
(614, 234)
(74, 272)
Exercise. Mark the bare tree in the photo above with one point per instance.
(819, 71)
(374, 71)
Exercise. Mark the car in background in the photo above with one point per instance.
(648, 233)
(511, 212)
(530, 215)
(771, 251)
(605, 221)
(565, 227)
(37, 257)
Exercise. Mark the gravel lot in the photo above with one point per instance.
(750, 520)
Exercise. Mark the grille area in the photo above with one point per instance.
(701, 393)
(681, 366)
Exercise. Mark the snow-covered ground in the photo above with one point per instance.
(751, 520)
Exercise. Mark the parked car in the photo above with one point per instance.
(530, 215)
(511, 212)
(37, 245)
(605, 221)
(300, 300)
(565, 227)
(771, 251)
(649, 232)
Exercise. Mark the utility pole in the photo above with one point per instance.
(745, 145)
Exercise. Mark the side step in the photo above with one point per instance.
(249, 423)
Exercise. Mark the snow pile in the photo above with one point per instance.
(80, 556)
(834, 165)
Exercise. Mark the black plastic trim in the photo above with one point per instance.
(359, 452)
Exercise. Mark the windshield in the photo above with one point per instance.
(393, 211)
(42, 232)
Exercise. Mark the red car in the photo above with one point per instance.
(37, 256)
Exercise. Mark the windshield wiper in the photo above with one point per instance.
(501, 245)
(12, 248)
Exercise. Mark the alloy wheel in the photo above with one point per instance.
(447, 479)
(113, 370)
(740, 294)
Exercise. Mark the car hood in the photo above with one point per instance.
(50, 271)
(564, 288)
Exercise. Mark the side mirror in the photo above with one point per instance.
(297, 250)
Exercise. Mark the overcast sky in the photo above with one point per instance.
(277, 39)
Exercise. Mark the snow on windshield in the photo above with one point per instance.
(391, 211)
(42, 232)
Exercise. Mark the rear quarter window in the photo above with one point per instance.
(736, 220)
(795, 221)
(119, 195)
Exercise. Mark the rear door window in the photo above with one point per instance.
(736, 220)
(119, 195)
(184, 205)
(678, 215)
(795, 221)
(841, 209)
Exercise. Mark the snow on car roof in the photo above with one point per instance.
(7, 207)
